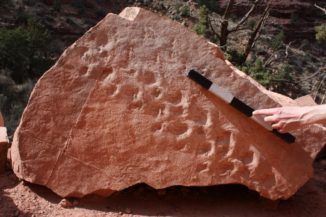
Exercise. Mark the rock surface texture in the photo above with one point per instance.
(117, 109)
(3, 145)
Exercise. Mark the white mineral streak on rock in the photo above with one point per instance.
(3, 131)
(117, 110)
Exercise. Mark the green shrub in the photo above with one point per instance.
(201, 26)
(56, 5)
(267, 77)
(305, 44)
(5, 3)
(23, 51)
(295, 18)
(80, 5)
(283, 73)
(185, 11)
(252, 23)
(321, 33)
(210, 4)
(234, 56)
(13, 99)
(277, 41)
(257, 71)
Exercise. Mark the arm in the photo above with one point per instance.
(291, 118)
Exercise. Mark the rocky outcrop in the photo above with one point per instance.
(117, 109)
(3, 145)
(1, 120)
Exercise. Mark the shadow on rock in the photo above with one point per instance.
(223, 200)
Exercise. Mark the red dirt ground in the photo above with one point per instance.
(21, 199)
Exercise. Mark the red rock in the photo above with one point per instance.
(117, 110)
(3, 145)
(3, 131)
(305, 101)
(1, 120)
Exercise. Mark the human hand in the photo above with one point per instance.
(286, 119)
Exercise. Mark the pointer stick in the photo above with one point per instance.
(236, 103)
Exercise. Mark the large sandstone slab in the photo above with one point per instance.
(117, 110)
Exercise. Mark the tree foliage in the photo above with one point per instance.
(5, 3)
(234, 56)
(257, 71)
(277, 41)
(23, 50)
(210, 4)
(321, 33)
(201, 26)
(266, 76)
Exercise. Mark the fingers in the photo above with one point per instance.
(270, 111)
(280, 126)
(283, 119)
(273, 116)
(272, 119)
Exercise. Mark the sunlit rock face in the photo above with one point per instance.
(117, 109)
(3, 131)
(3, 145)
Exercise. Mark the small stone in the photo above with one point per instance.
(65, 203)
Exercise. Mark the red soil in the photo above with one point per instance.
(25, 200)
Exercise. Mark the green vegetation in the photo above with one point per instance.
(321, 34)
(182, 10)
(277, 41)
(210, 4)
(201, 27)
(80, 5)
(234, 56)
(23, 52)
(29, 2)
(265, 76)
(5, 3)
(185, 11)
(252, 23)
(23, 58)
(295, 18)
(56, 5)
(283, 73)
(257, 71)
